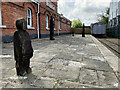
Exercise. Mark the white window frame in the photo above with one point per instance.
(1, 26)
(29, 17)
(47, 22)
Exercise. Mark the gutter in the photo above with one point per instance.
(38, 21)
(38, 3)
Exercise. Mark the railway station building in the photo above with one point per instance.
(37, 15)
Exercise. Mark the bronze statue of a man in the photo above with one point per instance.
(52, 29)
(23, 50)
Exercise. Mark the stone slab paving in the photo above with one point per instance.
(67, 62)
(111, 58)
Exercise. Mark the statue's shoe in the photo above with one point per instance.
(23, 74)
(52, 39)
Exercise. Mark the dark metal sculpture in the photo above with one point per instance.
(83, 32)
(72, 33)
(52, 29)
(23, 50)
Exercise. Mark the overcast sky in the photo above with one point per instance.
(84, 10)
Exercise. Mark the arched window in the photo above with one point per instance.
(29, 17)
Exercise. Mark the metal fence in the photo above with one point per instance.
(114, 28)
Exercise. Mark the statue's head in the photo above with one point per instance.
(21, 24)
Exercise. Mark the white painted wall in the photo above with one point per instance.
(114, 9)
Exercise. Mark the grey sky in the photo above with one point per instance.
(85, 10)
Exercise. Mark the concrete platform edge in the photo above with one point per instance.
(108, 56)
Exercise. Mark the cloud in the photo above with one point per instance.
(85, 10)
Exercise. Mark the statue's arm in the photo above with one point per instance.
(17, 47)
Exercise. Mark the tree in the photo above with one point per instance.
(76, 24)
(104, 17)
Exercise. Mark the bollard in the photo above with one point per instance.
(83, 32)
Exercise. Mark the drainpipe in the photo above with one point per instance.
(38, 21)
(58, 26)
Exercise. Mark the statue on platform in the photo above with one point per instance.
(72, 32)
(23, 50)
(83, 32)
(52, 29)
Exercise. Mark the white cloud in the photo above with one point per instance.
(85, 10)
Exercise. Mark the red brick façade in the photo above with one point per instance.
(11, 11)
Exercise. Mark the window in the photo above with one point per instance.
(50, 5)
(46, 21)
(1, 26)
(29, 18)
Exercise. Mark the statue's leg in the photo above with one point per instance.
(28, 69)
(22, 68)
(52, 35)
(17, 68)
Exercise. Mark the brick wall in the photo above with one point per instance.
(12, 11)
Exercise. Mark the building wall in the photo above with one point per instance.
(114, 13)
(113, 10)
(12, 11)
(45, 10)
(114, 18)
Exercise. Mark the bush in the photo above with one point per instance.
(76, 24)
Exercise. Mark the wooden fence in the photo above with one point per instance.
(79, 30)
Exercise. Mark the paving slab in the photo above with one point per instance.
(45, 82)
(95, 64)
(88, 77)
(111, 59)
(67, 62)
(69, 84)
(107, 79)
(71, 75)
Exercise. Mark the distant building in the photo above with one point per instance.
(113, 29)
(114, 13)
(37, 15)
